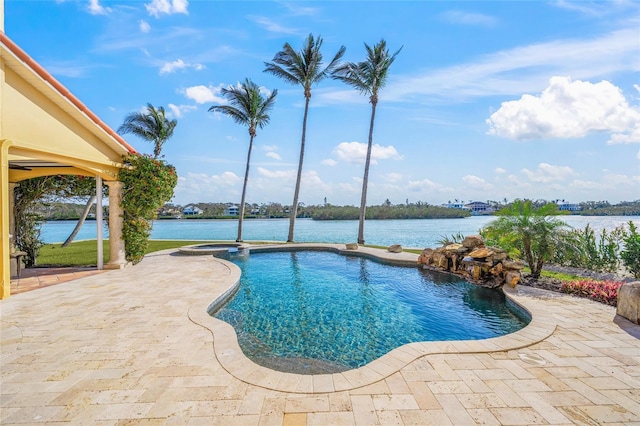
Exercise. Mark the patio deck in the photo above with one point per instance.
(131, 346)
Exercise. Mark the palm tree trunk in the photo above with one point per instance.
(365, 179)
(244, 192)
(296, 192)
(83, 217)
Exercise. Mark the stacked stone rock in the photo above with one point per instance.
(629, 301)
(473, 260)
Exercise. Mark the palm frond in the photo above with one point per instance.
(150, 125)
(370, 75)
(304, 67)
(247, 105)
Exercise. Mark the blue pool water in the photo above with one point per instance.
(321, 312)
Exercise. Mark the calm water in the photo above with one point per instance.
(409, 233)
(315, 312)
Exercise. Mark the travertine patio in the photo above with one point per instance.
(135, 346)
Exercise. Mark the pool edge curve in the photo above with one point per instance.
(230, 356)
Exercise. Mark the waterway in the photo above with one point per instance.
(407, 232)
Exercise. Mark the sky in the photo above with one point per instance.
(485, 101)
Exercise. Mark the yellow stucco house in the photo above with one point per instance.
(46, 130)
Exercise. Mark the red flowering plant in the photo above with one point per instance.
(148, 183)
(601, 291)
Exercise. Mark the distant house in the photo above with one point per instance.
(231, 211)
(479, 208)
(567, 207)
(456, 205)
(191, 210)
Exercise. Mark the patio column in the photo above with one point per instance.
(5, 251)
(99, 224)
(12, 215)
(117, 258)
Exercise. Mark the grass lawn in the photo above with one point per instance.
(85, 253)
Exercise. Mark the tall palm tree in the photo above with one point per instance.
(302, 68)
(151, 126)
(368, 77)
(247, 106)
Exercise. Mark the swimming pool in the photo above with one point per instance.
(315, 312)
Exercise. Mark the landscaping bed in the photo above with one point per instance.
(605, 291)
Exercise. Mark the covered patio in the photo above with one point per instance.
(45, 130)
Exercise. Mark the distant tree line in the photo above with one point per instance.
(62, 211)
(387, 210)
(603, 208)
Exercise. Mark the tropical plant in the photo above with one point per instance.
(456, 238)
(304, 68)
(147, 183)
(595, 252)
(529, 232)
(631, 253)
(368, 77)
(247, 106)
(30, 194)
(601, 291)
(151, 125)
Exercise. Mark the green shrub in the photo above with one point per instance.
(147, 184)
(631, 253)
(592, 252)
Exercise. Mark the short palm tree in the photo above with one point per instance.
(368, 77)
(302, 68)
(247, 106)
(534, 233)
(151, 126)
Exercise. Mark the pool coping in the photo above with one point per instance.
(229, 354)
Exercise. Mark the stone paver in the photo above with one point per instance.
(136, 346)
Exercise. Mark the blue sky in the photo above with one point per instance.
(486, 101)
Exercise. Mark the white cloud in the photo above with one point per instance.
(425, 185)
(170, 67)
(517, 70)
(500, 170)
(476, 182)
(287, 177)
(592, 8)
(356, 152)
(179, 110)
(633, 136)
(202, 94)
(196, 187)
(272, 26)
(297, 9)
(392, 177)
(69, 68)
(144, 26)
(568, 109)
(548, 173)
(329, 162)
(168, 7)
(466, 18)
(278, 174)
(95, 8)
(179, 64)
(273, 155)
